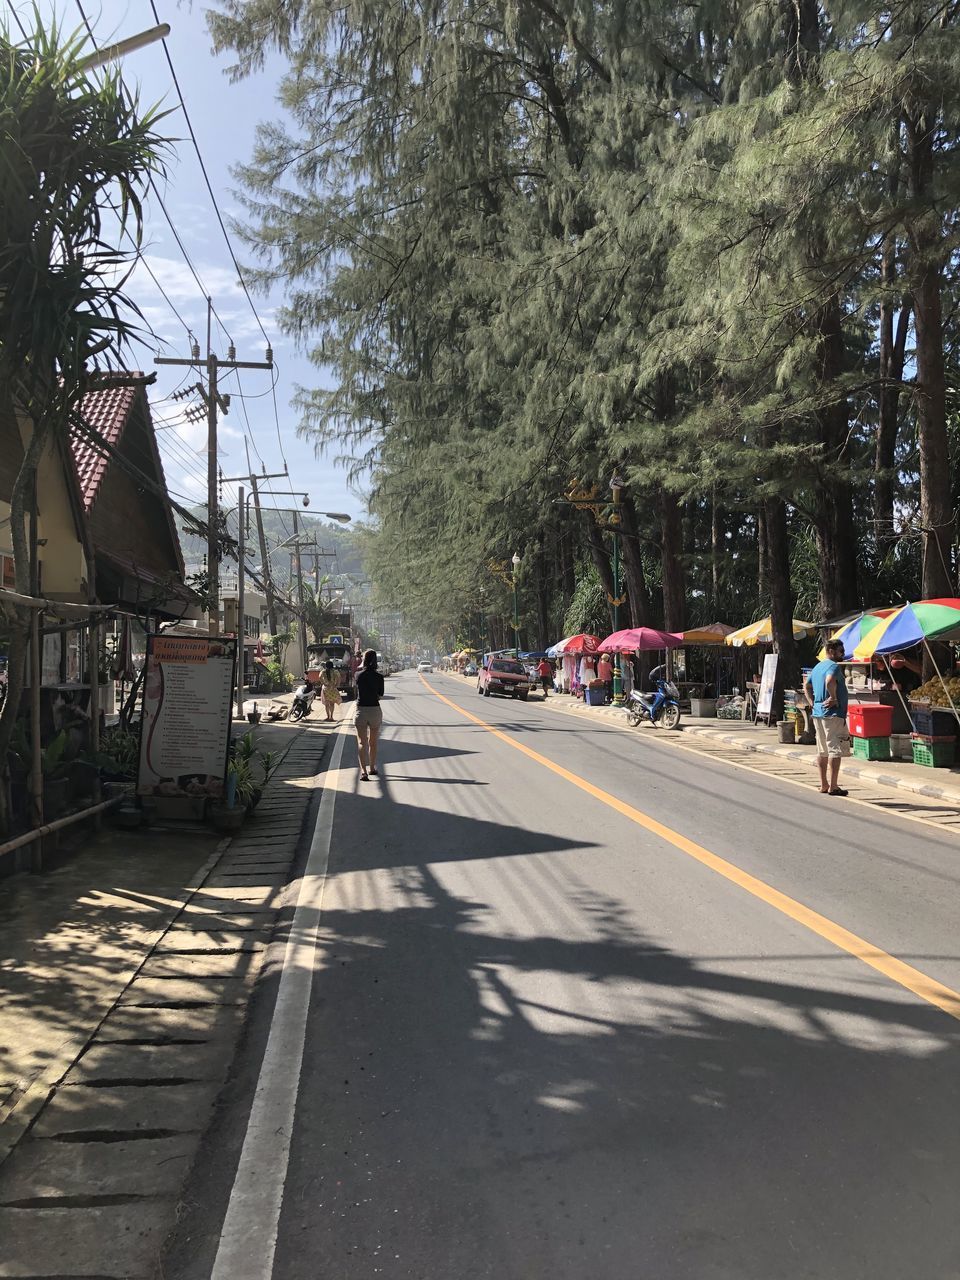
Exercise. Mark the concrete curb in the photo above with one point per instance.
(853, 770)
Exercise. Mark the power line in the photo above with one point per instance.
(203, 170)
(166, 213)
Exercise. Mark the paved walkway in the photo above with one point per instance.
(125, 977)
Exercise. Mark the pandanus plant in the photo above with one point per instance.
(77, 154)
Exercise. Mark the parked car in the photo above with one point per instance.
(504, 676)
(425, 668)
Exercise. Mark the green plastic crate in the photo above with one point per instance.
(935, 755)
(871, 748)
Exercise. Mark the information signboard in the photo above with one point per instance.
(187, 704)
(767, 680)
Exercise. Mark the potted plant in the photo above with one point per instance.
(268, 761)
(56, 779)
(238, 792)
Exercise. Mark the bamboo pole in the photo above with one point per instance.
(57, 825)
(36, 757)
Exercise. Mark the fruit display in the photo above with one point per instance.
(933, 692)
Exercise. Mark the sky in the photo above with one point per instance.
(224, 117)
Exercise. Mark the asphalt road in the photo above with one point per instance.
(549, 1039)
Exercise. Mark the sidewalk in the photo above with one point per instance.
(899, 775)
(125, 975)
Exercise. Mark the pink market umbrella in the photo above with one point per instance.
(637, 639)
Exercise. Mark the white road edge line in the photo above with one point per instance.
(248, 1239)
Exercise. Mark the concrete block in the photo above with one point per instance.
(120, 1241)
(155, 1110)
(176, 991)
(153, 1167)
(105, 1062)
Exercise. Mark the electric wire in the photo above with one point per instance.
(203, 170)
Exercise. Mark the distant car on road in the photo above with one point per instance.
(425, 668)
(506, 676)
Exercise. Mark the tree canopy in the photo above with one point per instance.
(710, 247)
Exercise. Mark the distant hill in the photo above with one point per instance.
(278, 528)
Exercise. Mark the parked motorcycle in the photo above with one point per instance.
(303, 697)
(662, 708)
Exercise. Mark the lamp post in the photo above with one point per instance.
(516, 607)
(616, 485)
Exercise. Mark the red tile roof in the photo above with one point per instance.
(108, 412)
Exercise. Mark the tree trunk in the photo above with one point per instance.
(671, 556)
(639, 609)
(716, 551)
(543, 601)
(568, 565)
(601, 559)
(835, 530)
(22, 498)
(893, 344)
(763, 595)
(781, 600)
(927, 244)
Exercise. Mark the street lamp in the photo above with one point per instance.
(616, 487)
(516, 608)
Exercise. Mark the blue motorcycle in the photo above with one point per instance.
(662, 708)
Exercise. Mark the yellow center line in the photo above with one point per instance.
(904, 975)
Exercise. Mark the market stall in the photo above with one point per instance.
(634, 641)
(572, 653)
(933, 708)
(756, 690)
(702, 694)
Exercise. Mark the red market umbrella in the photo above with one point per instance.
(578, 644)
(637, 639)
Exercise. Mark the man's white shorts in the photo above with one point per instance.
(833, 736)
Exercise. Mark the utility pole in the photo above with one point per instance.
(241, 616)
(243, 525)
(303, 617)
(265, 560)
(214, 402)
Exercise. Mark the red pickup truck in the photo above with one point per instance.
(503, 675)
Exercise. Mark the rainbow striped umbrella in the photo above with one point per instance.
(855, 632)
(922, 620)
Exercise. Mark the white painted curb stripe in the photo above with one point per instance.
(248, 1239)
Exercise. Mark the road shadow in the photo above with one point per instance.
(547, 1106)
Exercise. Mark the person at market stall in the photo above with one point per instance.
(545, 672)
(826, 688)
(626, 673)
(329, 689)
(605, 673)
(906, 672)
(588, 671)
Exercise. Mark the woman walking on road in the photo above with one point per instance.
(329, 689)
(369, 716)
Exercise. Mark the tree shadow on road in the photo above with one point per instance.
(568, 1098)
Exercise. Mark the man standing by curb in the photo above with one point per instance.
(826, 688)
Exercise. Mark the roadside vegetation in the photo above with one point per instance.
(712, 248)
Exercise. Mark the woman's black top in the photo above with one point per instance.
(369, 688)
